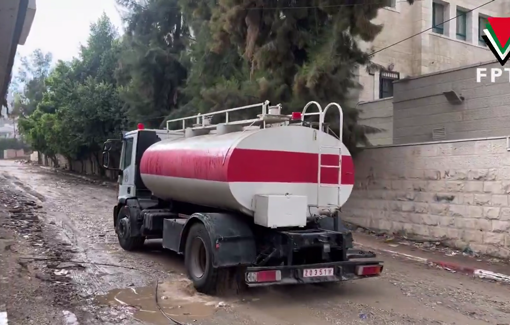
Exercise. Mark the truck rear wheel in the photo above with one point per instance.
(123, 230)
(198, 257)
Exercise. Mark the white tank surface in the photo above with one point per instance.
(226, 171)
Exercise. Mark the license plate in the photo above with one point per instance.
(312, 273)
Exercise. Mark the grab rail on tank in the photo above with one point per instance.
(340, 119)
(320, 113)
(203, 120)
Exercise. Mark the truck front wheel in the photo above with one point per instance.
(123, 230)
(198, 255)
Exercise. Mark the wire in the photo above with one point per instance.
(55, 259)
(173, 321)
(365, 3)
(426, 30)
(361, 4)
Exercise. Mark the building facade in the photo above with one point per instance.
(453, 44)
(7, 129)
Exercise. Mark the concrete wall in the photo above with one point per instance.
(420, 106)
(427, 52)
(85, 167)
(378, 114)
(13, 154)
(459, 191)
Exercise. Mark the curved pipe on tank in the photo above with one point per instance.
(340, 118)
(303, 114)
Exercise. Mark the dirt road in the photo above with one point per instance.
(60, 264)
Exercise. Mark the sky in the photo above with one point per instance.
(60, 26)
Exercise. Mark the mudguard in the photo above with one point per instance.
(116, 209)
(232, 239)
(132, 209)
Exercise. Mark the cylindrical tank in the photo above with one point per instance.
(227, 170)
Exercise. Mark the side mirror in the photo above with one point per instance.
(106, 159)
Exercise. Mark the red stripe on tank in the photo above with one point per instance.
(246, 165)
(207, 164)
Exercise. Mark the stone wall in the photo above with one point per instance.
(458, 191)
(85, 167)
(14, 154)
(34, 157)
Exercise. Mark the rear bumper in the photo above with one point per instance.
(342, 271)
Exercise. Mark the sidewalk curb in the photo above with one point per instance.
(447, 266)
(79, 176)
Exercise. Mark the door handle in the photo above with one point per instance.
(129, 190)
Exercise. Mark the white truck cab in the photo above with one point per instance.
(132, 145)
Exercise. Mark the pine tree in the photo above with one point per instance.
(285, 51)
(150, 72)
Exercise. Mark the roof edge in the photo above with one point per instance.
(18, 28)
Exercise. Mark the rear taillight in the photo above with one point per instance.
(367, 270)
(264, 276)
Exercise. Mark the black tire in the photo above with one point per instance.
(198, 256)
(123, 230)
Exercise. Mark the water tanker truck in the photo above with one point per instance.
(259, 197)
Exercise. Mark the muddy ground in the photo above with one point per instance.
(60, 264)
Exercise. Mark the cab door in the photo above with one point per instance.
(126, 180)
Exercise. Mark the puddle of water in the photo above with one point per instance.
(175, 299)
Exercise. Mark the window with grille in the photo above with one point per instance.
(386, 79)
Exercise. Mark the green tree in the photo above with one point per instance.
(150, 73)
(288, 52)
(80, 107)
(28, 87)
(99, 57)
(39, 130)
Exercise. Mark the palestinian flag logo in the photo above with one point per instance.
(497, 37)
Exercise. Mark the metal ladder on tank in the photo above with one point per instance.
(320, 135)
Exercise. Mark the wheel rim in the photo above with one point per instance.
(198, 258)
(123, 227)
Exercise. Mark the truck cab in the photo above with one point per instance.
(128, 152)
